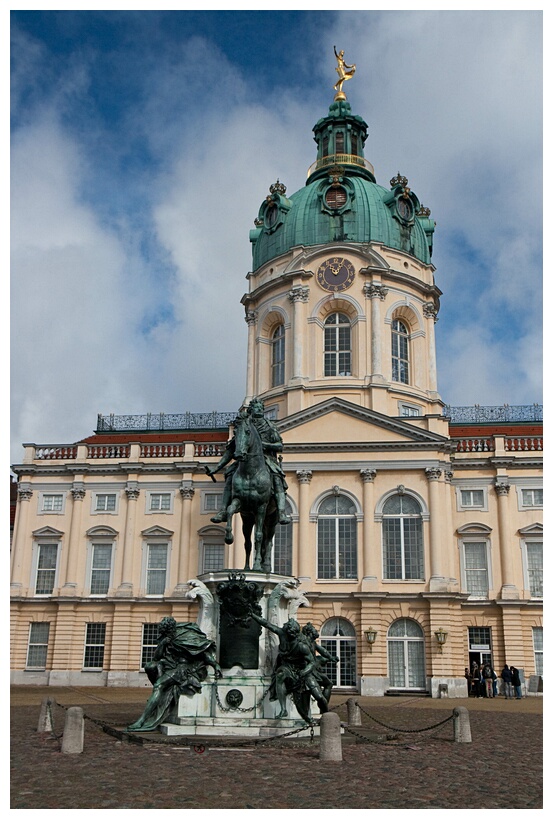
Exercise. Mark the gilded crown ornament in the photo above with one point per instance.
(422, 211)
(399, 180)
(278, 187)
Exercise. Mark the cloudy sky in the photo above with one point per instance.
(144, 142)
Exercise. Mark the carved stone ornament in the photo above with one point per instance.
(448, 475)
(187, 492)
(367, 475)
(304, 475)
(429, 310)
(24, 493)
(132, 492)
(250, 317)
(374, 291)
(433, 473)
(502, 486)
(299, 294)
(78, 493)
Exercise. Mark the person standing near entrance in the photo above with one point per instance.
(488, 679)
(517, 685)
(507, 678)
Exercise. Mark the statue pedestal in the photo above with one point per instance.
(238, 704)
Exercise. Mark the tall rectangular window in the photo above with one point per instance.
(337, 345)
(95, 642)
(400, 352)
(282, 550)
(213, 556)
(156, 571)
(537, 634)
(336, 539)
(37, 650)
(476, 568)
(46, 568)
(277, 363)
(149, 642)
(534, 555)
(100, 568)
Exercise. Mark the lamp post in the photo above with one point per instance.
(370, 634)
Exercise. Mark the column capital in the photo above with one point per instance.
(24, 493)
(132, 492)
(299, 293)
(430, 311)
(304, 475)
(367, 475)
(187, 491)
(78, 493)
(375, 291)
(502, 486)
(433, 473)
(250, 317)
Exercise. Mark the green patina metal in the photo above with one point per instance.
(341, 201)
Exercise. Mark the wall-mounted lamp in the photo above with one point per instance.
(370, 634)
(441, 637)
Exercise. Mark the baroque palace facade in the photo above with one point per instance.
(416, 532)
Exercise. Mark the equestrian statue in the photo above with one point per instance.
(255, 485)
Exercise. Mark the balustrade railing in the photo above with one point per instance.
(208, 450)
(475, 445)
(108, 450)
(162, 450)
(513, 444)
(55, 453)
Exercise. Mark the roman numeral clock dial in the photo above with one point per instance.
(336, 274)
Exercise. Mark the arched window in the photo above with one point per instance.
(338, 637)
(282, 547)
(406, 655)
(336, 538)
(337, 345)
(402, 538)
(277, 360)
(400, 352)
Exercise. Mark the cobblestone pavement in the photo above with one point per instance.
(382, 768)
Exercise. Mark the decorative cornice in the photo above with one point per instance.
(304, 475)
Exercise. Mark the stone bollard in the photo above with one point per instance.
(330, 749)
(461, 725)
(354, 713)
(73, 731)
(45, 724)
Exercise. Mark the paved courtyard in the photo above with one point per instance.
(390, 762)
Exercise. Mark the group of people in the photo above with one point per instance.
(482, 681)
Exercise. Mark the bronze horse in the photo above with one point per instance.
(252, 495)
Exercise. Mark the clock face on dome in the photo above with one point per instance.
(336, 274)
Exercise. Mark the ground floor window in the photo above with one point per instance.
(537, 634)
(37, 649)
(94, 645)
(338, 637)
(149, 642)
(406, 655)
(282, 548)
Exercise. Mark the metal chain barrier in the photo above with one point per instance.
(237, 708)
(405, 730)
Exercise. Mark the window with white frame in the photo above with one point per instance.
(52, 502)
(156, 568)
(400, 352)
(337, 345)
(537, 636)
(211, 502)
(46, 568)
(534, 567)
(100, 568)
(339, 639)
(471, 498)
(95, 641)
(277, 356)
(475, 566)
(150, 637)
(159, 501)
(37, 650)
(212, 552)
(105, 502)
(402, 538)
(336, 538)
(531, 498)
(281, 556)
(409, 411)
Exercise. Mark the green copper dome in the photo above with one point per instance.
(341, 200)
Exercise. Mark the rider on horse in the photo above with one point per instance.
(272, 444)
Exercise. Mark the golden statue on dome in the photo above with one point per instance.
(345, 72)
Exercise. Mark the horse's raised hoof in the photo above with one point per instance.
(229, 539)
(282, 519)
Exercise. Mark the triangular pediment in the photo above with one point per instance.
(338, 421)
(157, 531)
